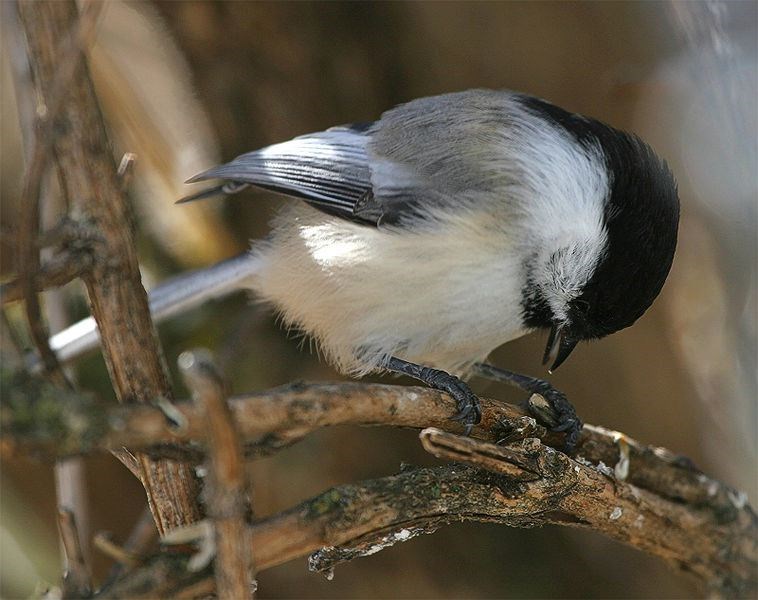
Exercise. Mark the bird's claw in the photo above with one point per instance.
(469, 408)
(561, 417)
(468, 405)
(565, 426)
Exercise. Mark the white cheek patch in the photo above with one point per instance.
(565, 188)
(567, 271)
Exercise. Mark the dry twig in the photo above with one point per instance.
(56, 272)
(143, 534)
(524, 485)
(77, 580)
(225, 491)
(103, 541)
(71, 47)
(613, 471)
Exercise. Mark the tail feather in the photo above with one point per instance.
(227, 189)
(169, 298)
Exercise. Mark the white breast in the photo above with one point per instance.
(439, 299)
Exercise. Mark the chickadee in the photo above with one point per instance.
(454, 224)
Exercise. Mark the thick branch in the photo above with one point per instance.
(270, 420)
(118, 300)
(531, 485)
(722, 554)
(535, 485)
(641, 495)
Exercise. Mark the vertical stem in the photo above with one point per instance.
(118, 301)
(77, 578)
(226, 489)
(70, 480)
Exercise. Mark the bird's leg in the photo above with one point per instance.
(469, 410)
(565, 415)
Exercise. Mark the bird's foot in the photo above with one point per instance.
(553, 411)
(469, 408)
(551, 407)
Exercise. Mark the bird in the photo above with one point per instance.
(420, 242)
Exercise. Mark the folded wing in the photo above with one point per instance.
(329, 170)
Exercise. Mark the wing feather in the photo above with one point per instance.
(431, 154)
(328, 169)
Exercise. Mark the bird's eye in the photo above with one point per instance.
(582, 306)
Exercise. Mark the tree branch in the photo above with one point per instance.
(70, 45)
(225, 491)
(271, 420)
(722, 554)
(118, 300)
(642, 495)
(56, 272)
(525, 484)
(77, 580)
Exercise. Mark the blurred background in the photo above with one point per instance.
(186, 84)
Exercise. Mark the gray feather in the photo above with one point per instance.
(327, 169)
(437, 152)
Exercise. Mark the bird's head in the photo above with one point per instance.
(602, 279)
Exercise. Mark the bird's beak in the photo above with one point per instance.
(559, 346)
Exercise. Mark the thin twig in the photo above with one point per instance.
(71, 496)
(143, 534)
(77, 580)
(103, 541)
(63, 268)
(225, 488)
(72, 50)
(496, 458)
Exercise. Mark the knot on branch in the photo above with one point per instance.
(55, 419)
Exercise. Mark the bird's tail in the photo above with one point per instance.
(167, 299)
